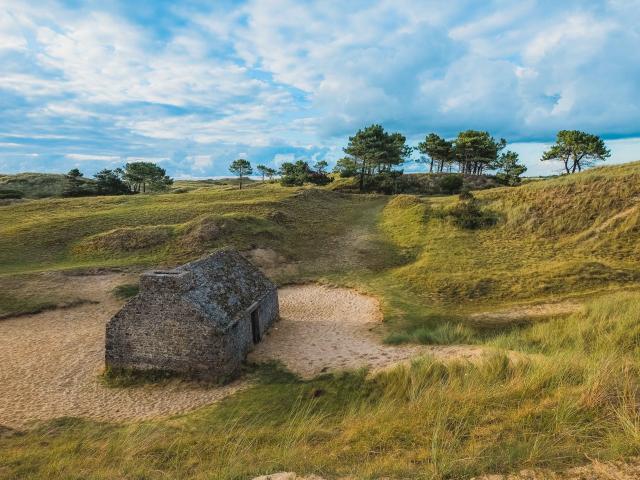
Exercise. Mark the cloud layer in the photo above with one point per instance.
(194, 86)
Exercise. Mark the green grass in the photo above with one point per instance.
(36, 185)
(25, 294)
(126, 290)
(571, 392)
(425, 420)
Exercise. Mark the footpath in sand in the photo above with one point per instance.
(325, 329)
(50, 362)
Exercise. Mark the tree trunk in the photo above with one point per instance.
(240, 182)
(362, 170)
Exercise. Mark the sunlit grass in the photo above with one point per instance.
(556, 391)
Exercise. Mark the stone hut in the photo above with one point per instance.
(200, 319)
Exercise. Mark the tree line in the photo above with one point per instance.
(134, 177)
(374, 156)
(373, 153)
(290, 173)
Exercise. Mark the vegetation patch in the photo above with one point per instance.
(125, 240)
(35, 185)
(469, 214)
(572, 393)
(216, 230)
(124, 378)
(126, 291)
(6, 193)
(30, 294)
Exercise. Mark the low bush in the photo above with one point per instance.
(469, 215)
(451, 183)
(397, 338)
(10, 194)
(126, 290)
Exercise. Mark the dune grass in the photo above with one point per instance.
(557, 391)
(425, 420)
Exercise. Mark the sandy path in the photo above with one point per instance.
(50, 362)
(323, 329)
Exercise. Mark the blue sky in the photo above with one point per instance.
(193, 85)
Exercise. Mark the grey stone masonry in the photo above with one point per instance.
(199, 319)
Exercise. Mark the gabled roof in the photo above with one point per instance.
(220, 286)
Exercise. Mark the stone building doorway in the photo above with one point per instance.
(255, 326)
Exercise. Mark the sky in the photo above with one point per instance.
(193, 85)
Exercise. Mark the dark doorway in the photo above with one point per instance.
(255, 326)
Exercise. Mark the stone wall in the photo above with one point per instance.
(158, 329)
(239, 341)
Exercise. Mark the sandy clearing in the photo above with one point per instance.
(324, 329)
(50, 362)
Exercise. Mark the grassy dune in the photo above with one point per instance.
(37, 185)
(572, 394)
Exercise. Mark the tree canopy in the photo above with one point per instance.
(509, 168)
(241, 168)
(265, 171)
(373, 150)
(346, 167)
(108, 182)
(477, 151)
(577, 150)
(299, 173)
(140, 176)
(439, 151)
(75, 186)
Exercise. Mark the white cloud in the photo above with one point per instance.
(280, 158)
(82, 157)
(200, 162)
(279, 73)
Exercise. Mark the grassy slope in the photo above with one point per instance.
(561, 238)
(35, 185)
(305, 227)
(576, 396)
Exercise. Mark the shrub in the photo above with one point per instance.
(451, 183)
(444, 334)
(385, 182)
(468, 214)
(7, 193)
(126, 290)
(397, 338)
(299, 173)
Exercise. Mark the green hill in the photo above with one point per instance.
(572, 392)
(36, 185)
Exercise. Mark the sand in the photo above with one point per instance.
(325, 329)
(50, 365)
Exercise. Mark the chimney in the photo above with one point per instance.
(166, 281)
